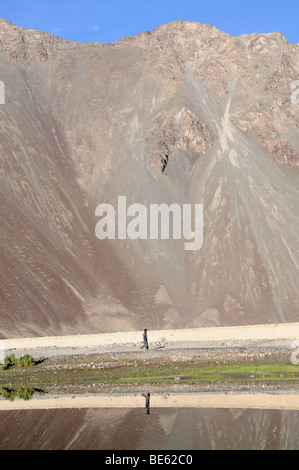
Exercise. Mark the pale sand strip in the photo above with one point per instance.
(182, 400)
(252, 332)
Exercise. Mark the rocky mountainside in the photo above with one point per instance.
(182, 114)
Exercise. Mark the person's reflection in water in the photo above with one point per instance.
(147, 403)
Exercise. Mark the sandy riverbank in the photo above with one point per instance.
(195, 336)
(249, 343)
(288, 401)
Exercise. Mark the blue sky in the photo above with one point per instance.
(109, 20)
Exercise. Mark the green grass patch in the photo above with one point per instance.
(219, 373)
(40, 377)
(24, 361)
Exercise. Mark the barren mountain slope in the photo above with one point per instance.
(184, 113)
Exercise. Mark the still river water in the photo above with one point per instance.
(161, 429)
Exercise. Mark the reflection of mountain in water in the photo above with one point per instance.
(174, 429)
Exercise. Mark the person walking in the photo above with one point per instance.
(145, 341)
